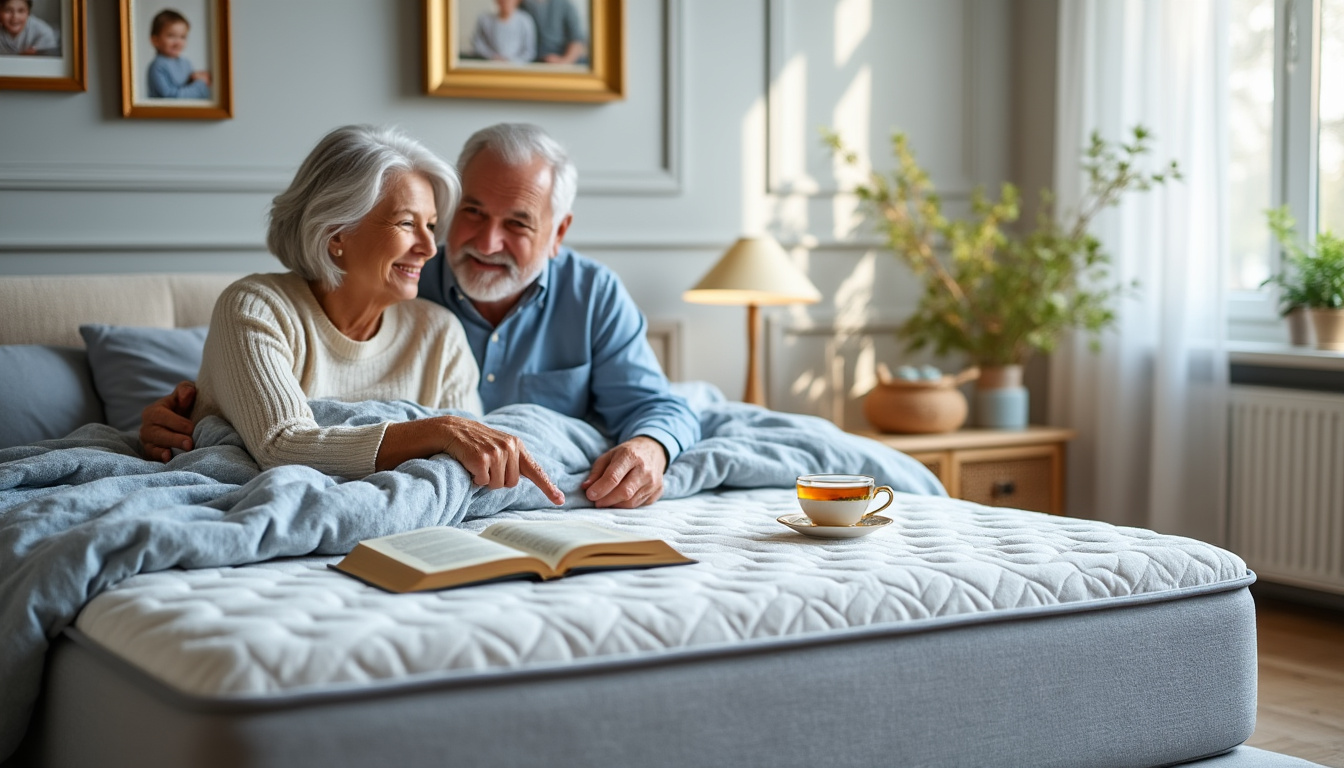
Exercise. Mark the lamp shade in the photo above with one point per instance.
(754, 271)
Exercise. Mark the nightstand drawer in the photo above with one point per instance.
(1021, 483)
(1021, 468)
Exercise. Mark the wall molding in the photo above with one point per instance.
(124, 246)
(975, 28)
(665, 180)
(668, 179)
(665, 338)
(144, 177)
(258, 245)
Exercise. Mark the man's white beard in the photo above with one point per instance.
(490, 287)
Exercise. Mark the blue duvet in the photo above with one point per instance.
(79, 514)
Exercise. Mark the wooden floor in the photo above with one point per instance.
(1301, 707)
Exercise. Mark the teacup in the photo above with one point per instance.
(839, 500)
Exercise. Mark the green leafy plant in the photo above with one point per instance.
(1313, 274)
(997, 295)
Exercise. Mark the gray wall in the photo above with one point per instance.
(718, 137)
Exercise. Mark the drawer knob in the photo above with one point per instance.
(1004, 488)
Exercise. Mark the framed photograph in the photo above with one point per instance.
(42, 45)
(176, 60)
(537, 50)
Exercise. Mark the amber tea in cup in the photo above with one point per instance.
(839, 499)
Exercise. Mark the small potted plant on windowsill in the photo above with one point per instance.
(1312, 278)
(997, 295)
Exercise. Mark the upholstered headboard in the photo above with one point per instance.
(49, 310)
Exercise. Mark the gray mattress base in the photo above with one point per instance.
(1250, 757)
(1146, 684)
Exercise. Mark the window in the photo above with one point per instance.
(1286, 137)
(1330, 171)
(1250, 112)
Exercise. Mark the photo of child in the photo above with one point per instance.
(24, 34)
(505, 34)
(171, 75)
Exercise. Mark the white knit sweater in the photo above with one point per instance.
(271, 348)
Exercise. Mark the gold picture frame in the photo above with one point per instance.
(61, 68)
(453, 72)
(148, 92)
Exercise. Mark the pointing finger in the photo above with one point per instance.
(530, 469)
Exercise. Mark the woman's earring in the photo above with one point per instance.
(339, 253)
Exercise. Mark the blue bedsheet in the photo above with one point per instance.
(79, 514)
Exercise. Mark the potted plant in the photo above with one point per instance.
(996, 294)
(1312, 278)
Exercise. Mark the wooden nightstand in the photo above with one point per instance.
(1000, 468)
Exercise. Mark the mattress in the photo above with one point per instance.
(958, 635)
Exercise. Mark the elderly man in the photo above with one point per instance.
(560, 35)
(545, 325)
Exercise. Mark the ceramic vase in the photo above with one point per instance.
(1329, 327)
(1000, 398)
(1300, 333)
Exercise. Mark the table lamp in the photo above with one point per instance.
(754, 271)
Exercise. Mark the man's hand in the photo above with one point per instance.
(629, 475)
(166, 425)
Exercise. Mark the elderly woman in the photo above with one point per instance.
(354, 228)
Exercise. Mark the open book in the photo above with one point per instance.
(436, 558)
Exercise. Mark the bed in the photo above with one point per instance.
(958, 635)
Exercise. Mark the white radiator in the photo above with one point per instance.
(1286, 499)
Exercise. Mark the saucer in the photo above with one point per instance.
(801, 524)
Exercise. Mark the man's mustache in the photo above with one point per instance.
(496, 259)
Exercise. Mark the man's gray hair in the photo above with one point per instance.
(519, 144)
(339, 183)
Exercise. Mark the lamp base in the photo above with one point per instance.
(755, 394)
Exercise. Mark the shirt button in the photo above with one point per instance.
(494, 337)
(489, 377)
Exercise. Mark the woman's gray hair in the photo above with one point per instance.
(339, 183)
(518, 144)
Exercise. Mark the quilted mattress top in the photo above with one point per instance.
(294, 626)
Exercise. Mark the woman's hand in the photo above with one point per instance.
(493, 459)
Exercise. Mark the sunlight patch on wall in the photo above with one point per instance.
(755, 212)
(790, 217)
(801, 256)
(865, 368)
(789, 92)
(853, 20)
(854, 298)
(845, 218)
(852, 117)
(809, 386)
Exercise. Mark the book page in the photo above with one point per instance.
(550, 540)
(438, 549)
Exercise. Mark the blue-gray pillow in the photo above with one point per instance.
(133, 367)
(46, 392)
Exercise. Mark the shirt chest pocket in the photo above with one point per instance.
(564, 391)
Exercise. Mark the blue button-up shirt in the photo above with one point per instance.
(574, 343)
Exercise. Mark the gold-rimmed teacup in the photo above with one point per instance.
(840, 500)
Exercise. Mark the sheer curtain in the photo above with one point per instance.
(1150, 407)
